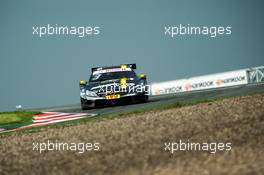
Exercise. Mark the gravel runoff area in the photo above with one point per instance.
(134, 144)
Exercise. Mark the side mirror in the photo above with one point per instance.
(142, 76)
(82, 82)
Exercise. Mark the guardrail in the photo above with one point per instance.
(219, 80)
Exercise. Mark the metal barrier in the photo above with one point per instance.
(256, 74)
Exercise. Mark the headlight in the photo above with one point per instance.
(91, 93)
(82, 92)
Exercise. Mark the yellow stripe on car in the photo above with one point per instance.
(123, 83)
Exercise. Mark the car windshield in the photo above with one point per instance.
(112, 76)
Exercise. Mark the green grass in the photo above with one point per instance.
(12, 119)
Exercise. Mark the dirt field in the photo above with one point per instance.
(135, 144)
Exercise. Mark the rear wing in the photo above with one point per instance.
(132, 66)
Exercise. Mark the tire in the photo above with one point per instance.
(144, 98)
(84, 105)
(140, 99)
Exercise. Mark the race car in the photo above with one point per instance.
(110, 85)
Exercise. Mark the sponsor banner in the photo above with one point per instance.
(225, 79)
(216, 80)
(168, 87)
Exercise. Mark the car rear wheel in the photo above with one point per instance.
(140, 99)
(144, 98)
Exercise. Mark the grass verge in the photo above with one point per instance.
(104, 117)
(14, 119)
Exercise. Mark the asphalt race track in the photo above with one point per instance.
(157, 101)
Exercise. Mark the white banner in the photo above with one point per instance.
(219, 80)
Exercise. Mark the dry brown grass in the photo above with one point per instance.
(134, 144)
